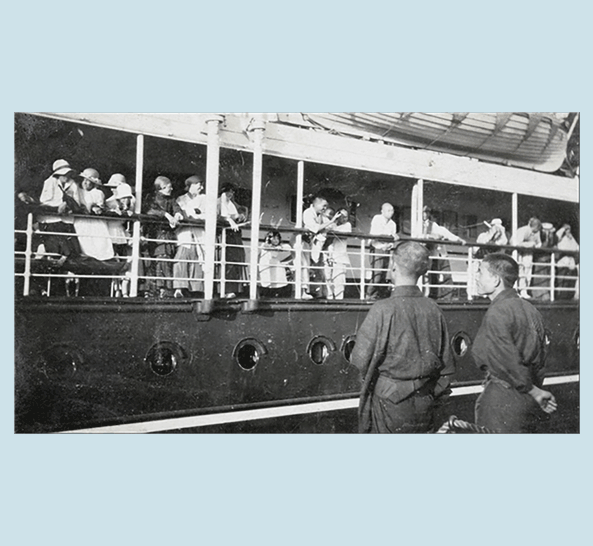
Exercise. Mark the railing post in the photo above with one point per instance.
(28, 255)
(362, 270)
(470, 274)
(223, 262)
(515, 219)
(552, 275)
(212, 169)
(137, 209)
(298, 247)
(257, 126)
(135, 259)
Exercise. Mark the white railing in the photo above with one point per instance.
(451, 276)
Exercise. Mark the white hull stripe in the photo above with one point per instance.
(178, 423)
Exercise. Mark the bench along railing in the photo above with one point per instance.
(452, 273)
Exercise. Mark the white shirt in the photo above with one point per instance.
(385, 227)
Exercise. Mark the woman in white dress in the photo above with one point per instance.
(187, 270)
(93, 234)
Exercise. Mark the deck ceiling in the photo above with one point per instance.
(297, 142)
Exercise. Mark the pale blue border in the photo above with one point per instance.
(306, 56)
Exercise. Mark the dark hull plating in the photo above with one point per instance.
(82, 364)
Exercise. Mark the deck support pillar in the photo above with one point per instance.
(256, 128)
(137, 210)
(212, 170)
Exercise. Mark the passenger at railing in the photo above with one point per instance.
(60, 195)
(402, 351)
(234, 254)
(190, 240)
(541, 288)
(316, 225)
(273, 264)
(495, 235)
(528, 236)
(162, 205)
(439, 263)
(121, 204)
(566, 266)
(93, 235)
(336, 257)
(116, 180)
(382, 224)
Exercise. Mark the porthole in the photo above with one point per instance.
(62, 360)
(460, 344)
(547, 337)
(348, 346)
(165, 357)
(248, 353)
(319, 349)
(577, 340)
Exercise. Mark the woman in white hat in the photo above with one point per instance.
(566, 266)
(93, 235)
(60, 195)
(121, 203)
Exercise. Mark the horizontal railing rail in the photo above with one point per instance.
(359, 271)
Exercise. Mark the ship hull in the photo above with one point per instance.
(83, 365)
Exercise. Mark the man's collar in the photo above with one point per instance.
(407, 290)
(506, 294)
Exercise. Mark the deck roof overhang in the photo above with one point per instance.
(330, 149)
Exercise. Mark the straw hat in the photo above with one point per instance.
(92, 175)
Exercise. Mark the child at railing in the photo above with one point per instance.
(121, 204)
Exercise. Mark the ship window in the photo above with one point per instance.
(348, 346)
(248, 353)
(164, 357)
(320, 348)
(62, 360)
(547, 337)
(577, 340)
(460, 343)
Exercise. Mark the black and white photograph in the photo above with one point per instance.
(318, 273)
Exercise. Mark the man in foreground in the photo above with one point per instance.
(511, 347)
(402, 352)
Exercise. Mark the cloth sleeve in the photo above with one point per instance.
(368, 346)
(50, 195)
(495, 350)
(442, 387)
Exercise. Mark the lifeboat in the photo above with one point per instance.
(535, 141)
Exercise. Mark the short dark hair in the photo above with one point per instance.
(504, 266)
(194, 179)
(411, 257)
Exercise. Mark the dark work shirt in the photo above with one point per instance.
(511, 343)
(405, 337)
